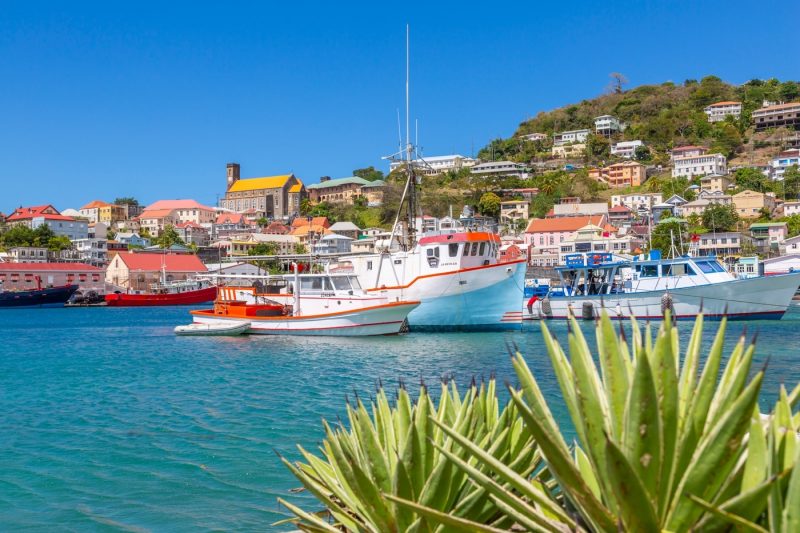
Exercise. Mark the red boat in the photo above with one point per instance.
(178, 293)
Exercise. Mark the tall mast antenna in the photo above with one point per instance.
(408, 74)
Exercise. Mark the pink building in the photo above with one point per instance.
(26, 276)
(546, 234)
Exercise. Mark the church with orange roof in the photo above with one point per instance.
(272, 197)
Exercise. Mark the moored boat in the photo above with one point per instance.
(162, 294)
(227, 329)
(39, 297)
(307, 304)
(646, 288)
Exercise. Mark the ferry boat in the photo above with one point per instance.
(306, 304)
(189, 292)
(646, 288)
(457, 277)
(38, 297)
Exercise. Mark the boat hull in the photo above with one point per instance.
(474, 299)
(760, 298)
(384, 319)
(200, 296)
(49, 297)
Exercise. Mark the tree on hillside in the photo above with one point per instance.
(489, 204)
(368, 173)
(668, 234)
(265, 248)
(642, 153)
(792, 225)
(126, 200)
(262, 222)
(598, 147)
(750, 178)
(718, 217)
(726, 138)
(791, 182)
(550, 182)
(169, 236)
(617, 82)
(58, 243)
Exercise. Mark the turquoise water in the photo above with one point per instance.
(110, 422)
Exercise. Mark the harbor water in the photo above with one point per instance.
(111, 422)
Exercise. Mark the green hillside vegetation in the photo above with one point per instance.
(662, 116)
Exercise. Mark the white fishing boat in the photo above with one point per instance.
(306, 304)
(226, 329)
(647, 287)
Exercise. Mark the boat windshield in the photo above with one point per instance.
(316, 283)
(341, 283)
(709, 266)
(354, 282)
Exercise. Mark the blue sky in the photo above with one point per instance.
(107, 99)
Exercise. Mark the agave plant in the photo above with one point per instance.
(660, 446)
(405, 452)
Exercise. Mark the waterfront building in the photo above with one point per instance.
(336, 191)
(619, 175)
(720, 244)
(687, 151)
(138, 271)
(607, 125)
(637, 201)
(718, 111)
(500, 168)
(547, 234)
(773, 116)
(92, 250)
(272, 197)
(243, 245)
(782, 264)
(626, 149)
(782, 161)
(701, 165)
(716, 182)
(431, 166)
(27, 275)
(594, 239)
(234, 269)
(749, 204)
(99, 211)
(346, 228)
(513, 210)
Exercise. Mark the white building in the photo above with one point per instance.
(626, 149)
(534, 137)
(637, 200)
(791, 207)
(500, 168)
(717, 112)
(92, 251)
(437, 164)
(572, 136)
(332, 244)
(701, 165)
(782, 161)
(607, 125)
(580, 209)
(233, 269)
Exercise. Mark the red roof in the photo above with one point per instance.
(27, 213)
(230, 218)
(544, 225)
(154, 262)
(619, 209)
(189, 224)
(48, 267)
(316, 221)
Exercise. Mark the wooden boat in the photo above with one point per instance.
(307, 304)
(196, 329)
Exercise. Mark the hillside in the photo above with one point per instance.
(662, 116)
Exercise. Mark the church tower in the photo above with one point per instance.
(233, 174)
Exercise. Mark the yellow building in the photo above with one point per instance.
(270, 196)
(749, 203)
(619, 175)
(108, 214)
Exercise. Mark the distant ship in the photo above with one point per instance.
(39, 297)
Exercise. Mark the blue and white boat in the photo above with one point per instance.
(646, 287)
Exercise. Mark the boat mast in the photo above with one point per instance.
(412, 185)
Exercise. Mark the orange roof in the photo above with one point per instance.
(155, 213)
(230, 218)
(177, 204)
(777, 107)
(315, 221)
(724, 103)
(544, 225)
(96, 204)
(153, 262)
(313, 228)
(297, 187)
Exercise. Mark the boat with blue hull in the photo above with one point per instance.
(648, 287)
(40, 297)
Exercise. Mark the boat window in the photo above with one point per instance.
(483, 249)
(311, 284)
(326, 283)
(675, 269)
(354, 282)
(452, 249)
(709, 266)
(649, 271)
(341, 283)
(369, 265)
